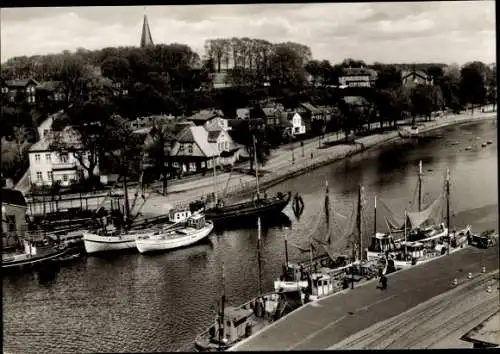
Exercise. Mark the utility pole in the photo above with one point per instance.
(448, 208)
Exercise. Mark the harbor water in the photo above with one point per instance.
(127, 302)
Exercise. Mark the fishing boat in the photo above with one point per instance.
(421, 223)
(37, 250)
(260, 206)
(196, 229)
(235, 323)
(326, 273)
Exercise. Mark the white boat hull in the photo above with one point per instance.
(95, 243)
(162, 242)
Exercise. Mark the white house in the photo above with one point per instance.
(217, 123)
(294, 123)
(48, 165)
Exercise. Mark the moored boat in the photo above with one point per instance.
(196, 229)
(34, 253)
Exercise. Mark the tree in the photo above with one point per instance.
(159, 151)
(85, 131)
(388, 78)
(472, 83)
(73, 75)
(353, 63)
(425, 99)
(286, 67)
(491, 86)
(314, 69)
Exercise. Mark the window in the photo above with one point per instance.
(226, 145)
(190, 148)
(181, 148)
(64, 158)
(45, 132)
(65, 178)
(5, 89)
(48, 157)
(11, 222)
(50, 175)
(37, 157)
(39, 176)
(192, 166)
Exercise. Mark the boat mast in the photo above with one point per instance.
(286, 251)
(256, 165)
(222, 304)
(125, 192)
(420, 186)
(448, 207)
(375, 217)
(406, 217)
(215, 181)
(359, 221)
(258, 255)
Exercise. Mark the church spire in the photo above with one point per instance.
(146, 39)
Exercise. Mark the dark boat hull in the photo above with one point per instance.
(262, 208)
(30, 262)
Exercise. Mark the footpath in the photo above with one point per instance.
(285, 162)
(327, 322)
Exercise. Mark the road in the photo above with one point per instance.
(435, 324)
(331, 320)
(279, 164)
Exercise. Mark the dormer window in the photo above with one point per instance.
(5, 89)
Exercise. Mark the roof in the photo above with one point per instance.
(241, 112)
(407, 73)
(40, 145)
(20, 83)
(213, 135)
(269, 111)
(205, 115)
(49, 85)
(198, 135)
(13, 197)
(355, 100)
(236, 314)
(358, 71)
(310, 107)
(486, 333)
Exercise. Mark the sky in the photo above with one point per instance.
(446, 32)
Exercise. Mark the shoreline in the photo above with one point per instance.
(323, 157)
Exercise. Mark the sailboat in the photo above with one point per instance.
(327, 272)
(235, 323)
(427, 243)
(261, 206)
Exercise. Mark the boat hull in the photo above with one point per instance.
(27, 262)
(265, 208)
(157, 243)
(95, 243)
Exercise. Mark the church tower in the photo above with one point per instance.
(146, 39)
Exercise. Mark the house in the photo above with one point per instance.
(14, 224)
(307, 109)
(271, 116)
(220, 80)
(48, 165)
(50, 91)
(201, 117)
(293, 124)
(19, 90)
(226, 148)
(358, 101)
(357, 77)
(150, 121)
(410, 78)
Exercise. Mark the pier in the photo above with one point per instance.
(329, 321)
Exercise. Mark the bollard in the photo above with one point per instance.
(469, 276)
(455, 281)
(483, 269)
(488, 289)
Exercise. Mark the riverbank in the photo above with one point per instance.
(290, 164)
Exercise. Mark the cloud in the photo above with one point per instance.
(391, 32)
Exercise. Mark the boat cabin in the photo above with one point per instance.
(237, 324)
(381, 243)
(197, 221)
(413, 250)
(178, 215)
(322, 285)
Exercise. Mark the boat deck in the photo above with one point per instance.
(326, 322)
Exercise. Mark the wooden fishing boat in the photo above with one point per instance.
(35, 253)
(261, 205)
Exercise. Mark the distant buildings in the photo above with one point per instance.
(31, 91)
(357, 77)
(411, 78)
